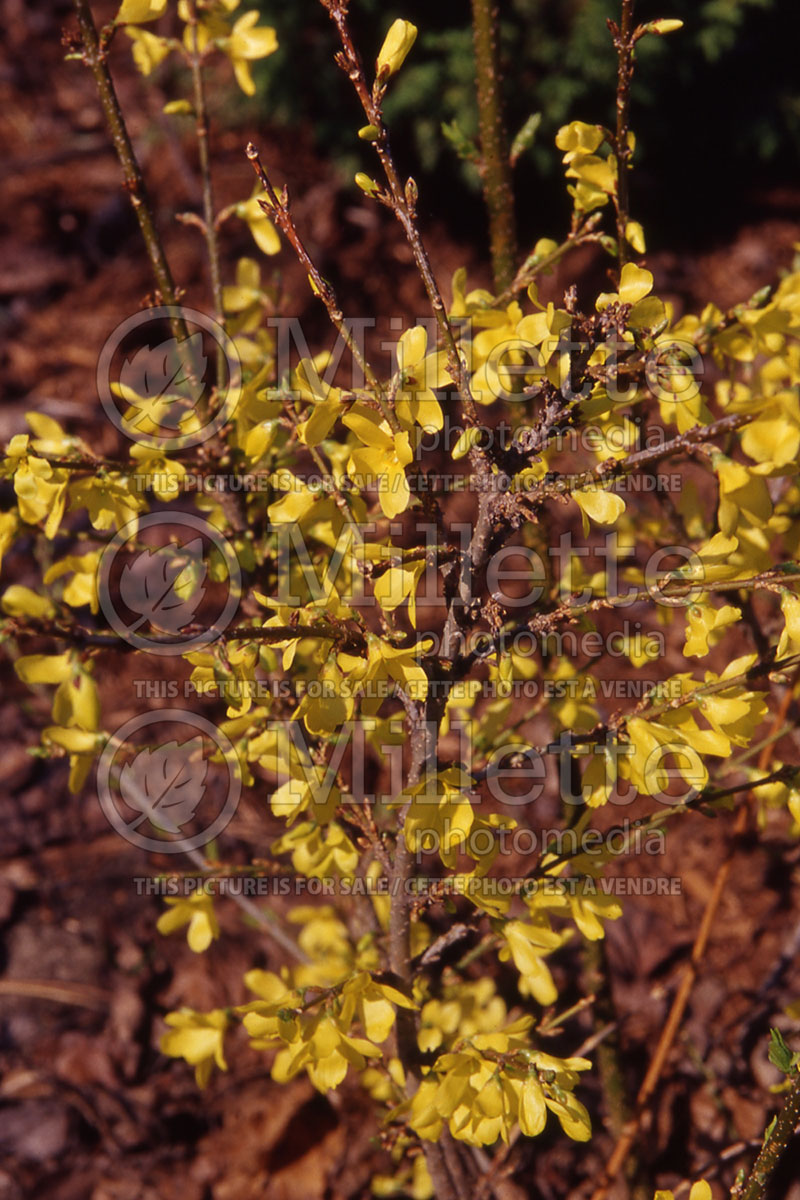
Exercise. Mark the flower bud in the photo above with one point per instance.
(660, 26)
(366, 184)
(469, 437)
(369, 133)
(397, 44)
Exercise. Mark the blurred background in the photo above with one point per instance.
(716, 106)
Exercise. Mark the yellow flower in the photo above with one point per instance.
(326, 1050)
(596, 177)
(298, 795)
(372, 1004)
(398, 584)
(704, 625)
(790, 638)
(381, 459)
(248, 42)
(164, 476)
(326, 401)
(317, 853)
(41, 489)
(19, 601)
(265, 235)
(389, 664)
(9, 526)
(481, 1101)
(604, 507)
(527, 945)
(148, 49)
(743, 496)
(439, 817)
(466, 1009)
(577, 139)
(395, 48)
(136, 11)
(635, 286)
(197, 911)
(700, 1191)
(420, 376)
(108, 500)
(198, 1038)
(773, 439)
(82, 588)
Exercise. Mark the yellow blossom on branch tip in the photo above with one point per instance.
(366, 183)
(661, 26)
(396, 47)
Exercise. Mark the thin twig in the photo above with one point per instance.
(95, 58)
(209, 216)
(83, 995)
(534, 264)
(403, 202)
(278, 210)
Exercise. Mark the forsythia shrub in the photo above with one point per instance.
(370, 604)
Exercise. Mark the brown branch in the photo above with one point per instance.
(565, 485)
(776, 1142)
(535, 265)
(546, 623)
(624, 42)
(278, 210)
(95, 58)
(495, 168)
(403, 202)
(345, 639)
(209, 217)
